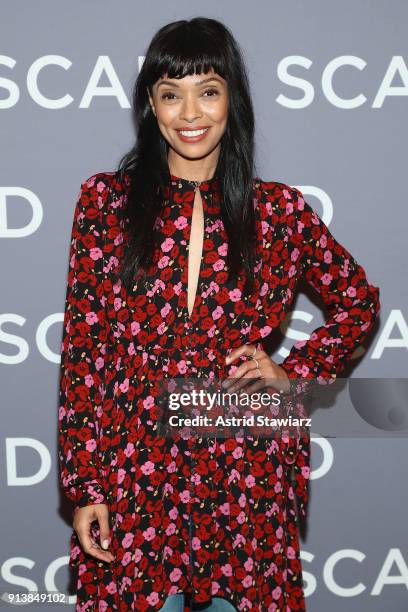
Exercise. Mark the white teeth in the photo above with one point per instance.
(193, 132)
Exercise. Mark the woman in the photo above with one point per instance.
(181, 265)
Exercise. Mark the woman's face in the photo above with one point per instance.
(195, 102)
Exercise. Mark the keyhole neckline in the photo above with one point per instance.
(211, 184)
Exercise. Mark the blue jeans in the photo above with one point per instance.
(175, 603)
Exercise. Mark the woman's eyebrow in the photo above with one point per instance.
(172, 84)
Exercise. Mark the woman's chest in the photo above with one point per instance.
(187, 291)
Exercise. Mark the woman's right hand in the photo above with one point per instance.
(82, 524)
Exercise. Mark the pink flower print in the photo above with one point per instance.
(126, 558)
(287, 194)
(289, 208)
(328, 257)
(95, 253)
(171, 529)
(127, 540)
(314, 218)
(99, 363)
(124, 386)
(295, 254)
(351, 291)
(237, 452)
(265, 331)
(299, 343)
(152, 599)
(138, 555)
(90, 445)
(215, 587)
(323, 241)
(241, 518)
(161, 328)
(218, 265)
(301, 202)
(300, 227)
(196, 543)
(163, 262)
(292, 271)
(196, 479)
(185, 496)
(326, 279)
(250, 481)
(265, 227)
(242, 500)
(147, 468)
(165, 310)
(291, 552)
(303, 370)
(171, 468)
(91, 318)
(100, 186)
(121, 475)
(279, 532)
(111, 587)
(175, 575)
(148, 402)
(277, 548)
(182, 366)
(117, 303)
(149, 533)
(305, 471)
(135, 328)
(223, 249)
(88, 380)
(225, 509)
(235, 295)
(339, 317)
(249, 564)
(217, 313)
(181, 222)
(239, 539)
(167, 245)
(264, 289)
(247, 581)
(130, 449)
(234, 474)
(226, 569)
(276, 593)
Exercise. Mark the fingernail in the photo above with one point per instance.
(105, 544)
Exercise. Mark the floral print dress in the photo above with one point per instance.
(241, 495)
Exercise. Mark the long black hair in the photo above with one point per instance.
(177, 49)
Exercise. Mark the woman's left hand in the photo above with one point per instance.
(259, 366)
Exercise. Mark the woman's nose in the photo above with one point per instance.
(190, 109)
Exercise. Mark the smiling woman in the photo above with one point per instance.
(182, 263)
(192, 110)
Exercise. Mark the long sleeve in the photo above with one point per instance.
(352, 303)
(83, 348)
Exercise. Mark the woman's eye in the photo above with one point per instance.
(166, 95)
(213, 91)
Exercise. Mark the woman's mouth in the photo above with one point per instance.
(192, 135)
